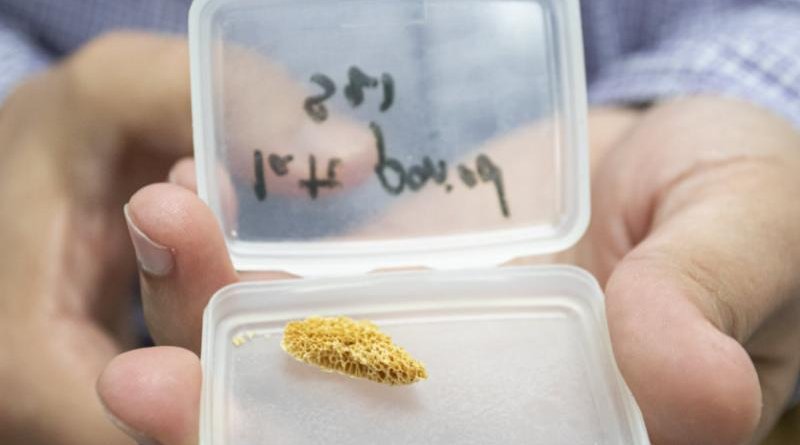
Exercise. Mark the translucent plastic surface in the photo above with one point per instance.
(338, 137)
(514, 356)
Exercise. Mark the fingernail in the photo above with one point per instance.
(153, 258)
(140, 438)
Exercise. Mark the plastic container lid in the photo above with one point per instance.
(340, 137)
(514, 356)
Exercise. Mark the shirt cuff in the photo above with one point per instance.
(757, 60)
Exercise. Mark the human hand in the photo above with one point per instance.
(694, 235)
(696, 232)
(76, 142)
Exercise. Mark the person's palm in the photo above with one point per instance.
(74, 147)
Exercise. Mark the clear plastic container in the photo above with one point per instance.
(335, 138)
(514, 356)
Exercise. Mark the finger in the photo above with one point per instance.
(271, 129)
(183, 174)
(693, 383)
(183, 260)
(144, 99)
(716, 243)
(153, 395)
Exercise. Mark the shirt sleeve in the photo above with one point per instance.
(20, 55)
(747, 52)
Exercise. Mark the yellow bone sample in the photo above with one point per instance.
(354, 348)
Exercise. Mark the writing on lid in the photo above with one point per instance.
(343, 137)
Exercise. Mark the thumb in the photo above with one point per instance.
(182, 260)
(153, 395)
(691, 379)
(715, 270)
